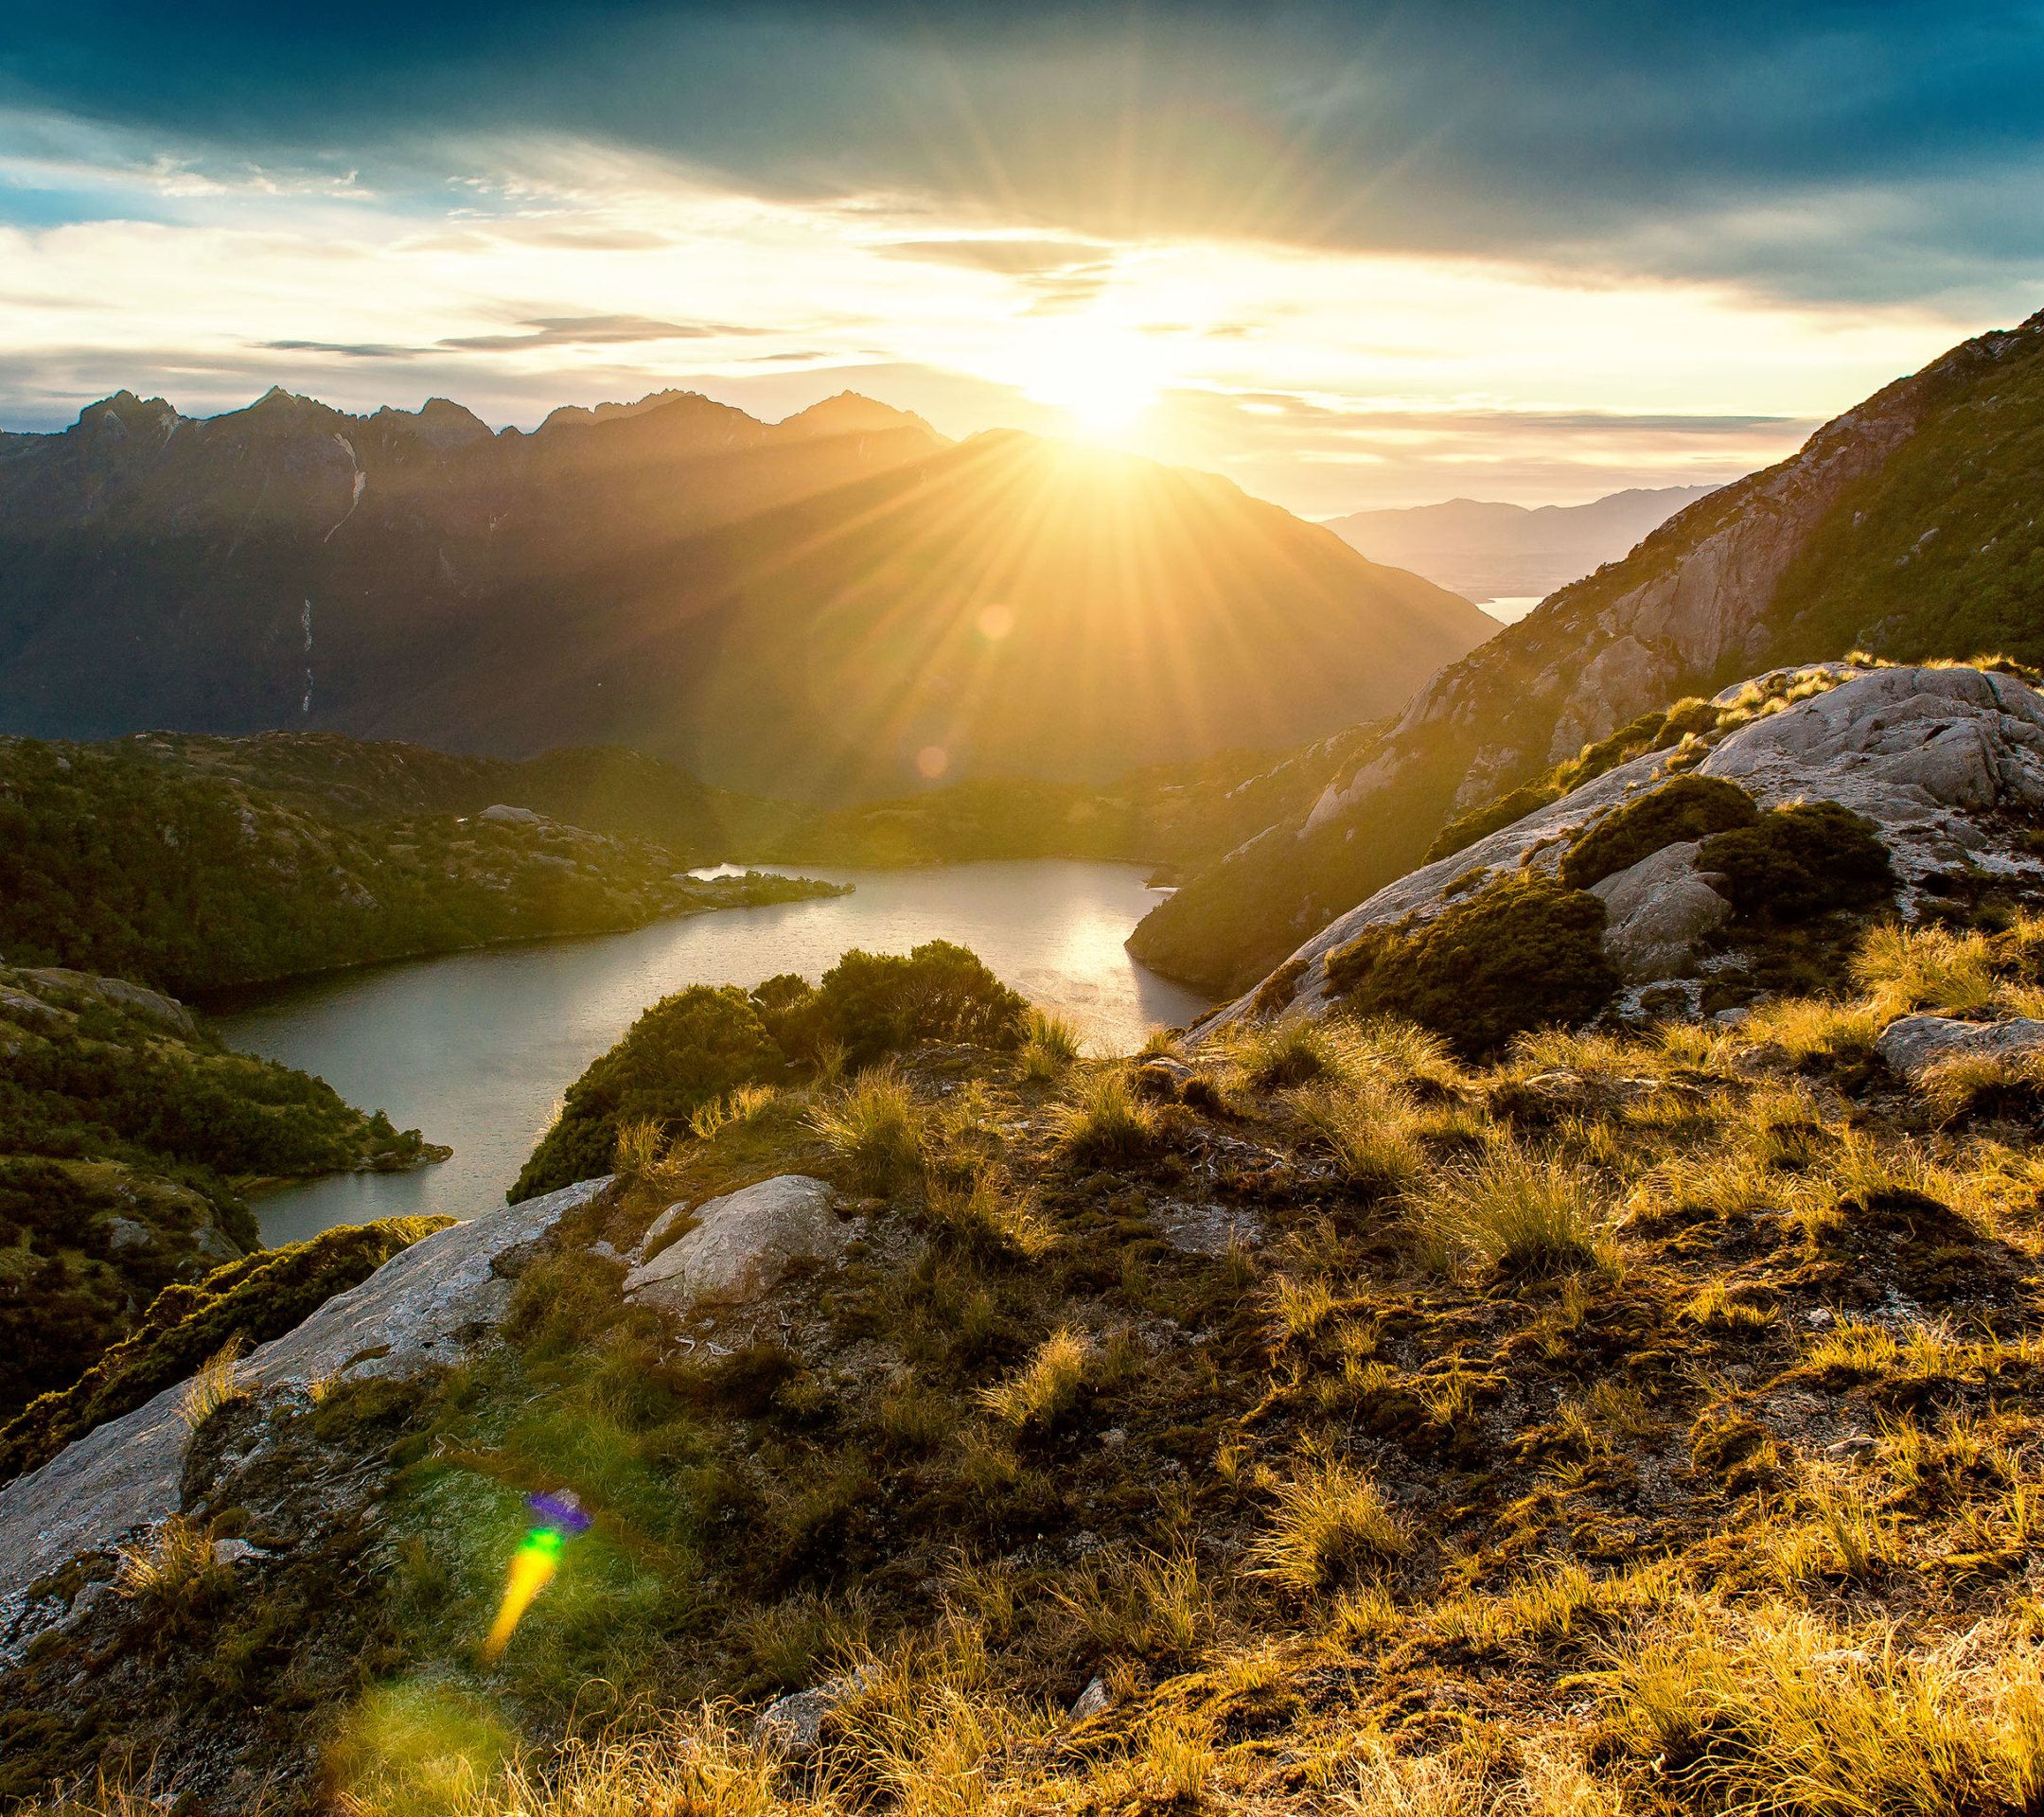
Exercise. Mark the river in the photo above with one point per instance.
(477, 1048)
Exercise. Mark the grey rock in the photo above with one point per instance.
(792, 1726)
(498, 812)
(1163, 1077)
(1091, 1702)
(659, 1229)
(123, 1477)
(1915, 1043)
(119, 993)
(742, 1245)
(235, 1551)
(1657, 911)
(1203, 1228)
(125, 1233)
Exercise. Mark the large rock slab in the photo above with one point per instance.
(118, 993)
(1921, 753)
(1915, 1043)
(1658, 910)
(417, 1310)
(742, 1245)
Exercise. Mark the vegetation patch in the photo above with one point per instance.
(1526, 953)
(1687, 808)
(1796, 862)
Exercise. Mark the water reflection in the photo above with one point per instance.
(476, 1049)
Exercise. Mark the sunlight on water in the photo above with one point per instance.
(476, 1049)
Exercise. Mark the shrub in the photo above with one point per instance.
(1795, 862)
(872, 1002)
(1106, 1121)
(1330, 1525)
(1044, 1391)
(1525, 953)
(873, 1127)
(688, 1048)
(1690, 807)
(1515, 1211)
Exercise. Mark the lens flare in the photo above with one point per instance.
(559, 1519)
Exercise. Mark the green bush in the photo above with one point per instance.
(1795, 862)
(874, 1002)
(1526, 953)
(256, 1299)
(687, 1050)
(1690, 807)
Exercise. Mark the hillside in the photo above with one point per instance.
(1907, 528)
(127, 1134)
(195, 864)
(1489, 551)
(1634, 1423)
(823, 609)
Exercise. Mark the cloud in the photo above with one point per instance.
(1012, 258)
(361, 350)
(589, 331)
(1610, 138)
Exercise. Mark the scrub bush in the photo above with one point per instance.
(1525, 953)
(1690, 807)
(1795, 862)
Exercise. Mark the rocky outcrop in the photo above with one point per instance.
(743, 1243)
(420, 1309)
(135, 999)
(1704, 599)
(792, 1726)
(1927, 754)
(1916, 1044)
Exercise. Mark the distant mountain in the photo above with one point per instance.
(829, 609)
(1909, 527)
(1485, 552)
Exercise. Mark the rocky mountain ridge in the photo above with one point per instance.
(1825, 552)
(834, 608)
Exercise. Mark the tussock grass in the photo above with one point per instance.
(874, 1127)
(1269, 1057)
(1812, 1028)
(1049, 1045)
(1783, 1714)
(980, 1224)
(748, 1104)
(215, 1386)
(1330, 1523)
(1515, 1211)
(1044, 1393)
(1153, 1606)
(1104, 1121)
(1984, 1085)
(642, 1150)
(1372, 1132)
(1909, 968)
(173, 1575)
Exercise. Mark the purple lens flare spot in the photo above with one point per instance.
(561, 1511)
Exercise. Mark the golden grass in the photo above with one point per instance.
(1372, 1132)
(1330, 1523)
(1043, 1392)
(1512, 1210)
(1269, 1057)
(874, 1127)
(1104, 1121)
(215, 1385)
(747, 1104)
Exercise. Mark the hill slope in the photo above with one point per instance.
(803, 609)
(1908, 527)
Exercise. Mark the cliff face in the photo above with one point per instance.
(1778, 568)
(831, 609)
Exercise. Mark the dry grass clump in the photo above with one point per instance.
(173, 1574)
(1105, 1120)
(1807, 1027)
(1780, 1712)
(642, 1151)
(748, 1104)
(1049, 1044)
(1045, 1392)
(215, 1386)
(1372, 1132)
(1909, 968)
(982, 1225)
(1269, 1057)
(874, 1127)
(1983, 1085)
(1150, 1607)
(1330, 1523)
(1515, 1211)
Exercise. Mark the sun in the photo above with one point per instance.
(1105, 378)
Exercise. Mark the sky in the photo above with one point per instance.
(1352, 256)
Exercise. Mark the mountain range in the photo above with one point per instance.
(1487, 551)
(1906, 527)
(828, 609)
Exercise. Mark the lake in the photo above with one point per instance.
(477, 1048)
